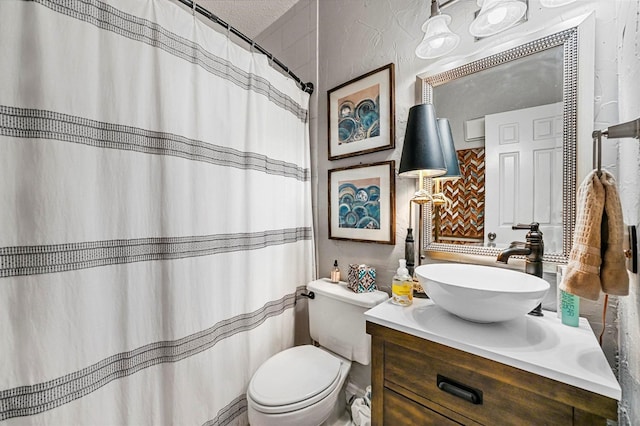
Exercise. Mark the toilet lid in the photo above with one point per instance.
(294, 375)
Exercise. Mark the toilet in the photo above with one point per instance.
(302, 385)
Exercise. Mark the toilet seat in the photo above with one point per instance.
(294, 379)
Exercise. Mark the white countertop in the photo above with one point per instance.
(541, 345)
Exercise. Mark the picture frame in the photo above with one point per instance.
(362, 203)
(361, 114)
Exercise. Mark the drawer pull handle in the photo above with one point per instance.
(455, 388)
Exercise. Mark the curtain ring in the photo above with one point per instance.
(193, 9)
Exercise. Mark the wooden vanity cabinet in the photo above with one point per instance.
(419, 382)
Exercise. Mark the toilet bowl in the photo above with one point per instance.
(303, 385)
(300, 385)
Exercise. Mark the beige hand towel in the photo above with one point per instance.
(613, 272)
(583, 270)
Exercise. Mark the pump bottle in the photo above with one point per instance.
(402, 286)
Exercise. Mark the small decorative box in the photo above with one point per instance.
(361, 278)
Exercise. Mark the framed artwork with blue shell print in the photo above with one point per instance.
(361, 114)
(362, 203)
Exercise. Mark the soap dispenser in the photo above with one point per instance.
(402, 286)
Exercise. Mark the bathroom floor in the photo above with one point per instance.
(344, 420)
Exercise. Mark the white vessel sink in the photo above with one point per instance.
(481, 293)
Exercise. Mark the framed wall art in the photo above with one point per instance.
(362, 203)
(361, 114)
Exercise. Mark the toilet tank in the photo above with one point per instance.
(336, 319)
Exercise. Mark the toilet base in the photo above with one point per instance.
(340, 415)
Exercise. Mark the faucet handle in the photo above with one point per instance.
(534, 235)
(533, 226)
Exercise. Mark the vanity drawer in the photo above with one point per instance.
(496, 401)
(399, 411)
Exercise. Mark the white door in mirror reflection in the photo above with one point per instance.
(524, 162)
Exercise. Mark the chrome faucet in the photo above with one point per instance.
(533, 249)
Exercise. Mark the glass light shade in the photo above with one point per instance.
(449, 151)
(555, 3)
(422, 151)
(438, 39)
(496, 16)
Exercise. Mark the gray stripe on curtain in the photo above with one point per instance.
(29, 400)
(109, 18)
(42, 124)
(228, 414)
(44, 259)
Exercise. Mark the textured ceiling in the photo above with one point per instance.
(251, 17)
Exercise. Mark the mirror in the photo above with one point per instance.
(508, 136)
(489, 103)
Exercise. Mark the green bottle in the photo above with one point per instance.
(570, 305)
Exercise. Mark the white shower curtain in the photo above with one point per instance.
(155, 214)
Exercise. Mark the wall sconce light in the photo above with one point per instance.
(555, 3)
(438, 39)
(496, 16)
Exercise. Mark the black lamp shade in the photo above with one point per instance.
(422, 151)
(448, 150)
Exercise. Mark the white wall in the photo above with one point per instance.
(628, 53)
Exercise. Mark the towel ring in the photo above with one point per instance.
(630, 129)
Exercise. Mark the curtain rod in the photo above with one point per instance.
(306, 87)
